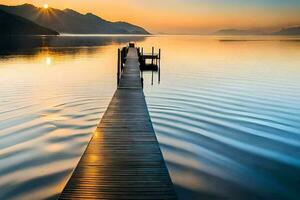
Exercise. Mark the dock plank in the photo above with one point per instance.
(123, 160)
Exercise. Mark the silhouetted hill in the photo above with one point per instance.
(70, 21)
(238, 32)
(15, 25)
(289, 31)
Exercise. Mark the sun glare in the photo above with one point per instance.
(46, 6)
(48, 61)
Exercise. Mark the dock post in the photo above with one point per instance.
(119, 61)
(159, 66)
(152, 55)
(159, 53)
(152, 78)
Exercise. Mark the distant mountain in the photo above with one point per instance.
(289, 31)
(15, 25)
(239, 32)
(284, 31)
(70, 21)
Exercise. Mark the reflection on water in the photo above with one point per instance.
(226, 112)
(227, 115)
(51, 98)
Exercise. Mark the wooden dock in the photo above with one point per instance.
(123, 159)
(153, 57)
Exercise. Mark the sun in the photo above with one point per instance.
(46, 6)
(48, 61)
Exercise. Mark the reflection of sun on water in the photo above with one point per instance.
(48, 61)
(53, 117)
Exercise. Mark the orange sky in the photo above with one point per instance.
(186, 16)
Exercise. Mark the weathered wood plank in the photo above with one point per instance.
(123, 159)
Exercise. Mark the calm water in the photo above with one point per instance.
(226, 112)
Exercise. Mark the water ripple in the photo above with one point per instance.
(229, 128)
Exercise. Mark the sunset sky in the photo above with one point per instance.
(186, 16)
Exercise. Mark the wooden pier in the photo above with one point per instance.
(153, 57)
(123, 159)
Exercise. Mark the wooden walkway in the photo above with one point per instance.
(123, 159)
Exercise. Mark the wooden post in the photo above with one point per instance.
(152, 62)
(152, 55)
(159, 66)
(159, 53)
(119, 62)
(152, 78)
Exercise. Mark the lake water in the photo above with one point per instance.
(226, 112)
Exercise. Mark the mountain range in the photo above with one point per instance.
(29, 19)
(238, 32)
(15, 25)
(289, 31)
(284, 31)
(71, 22)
